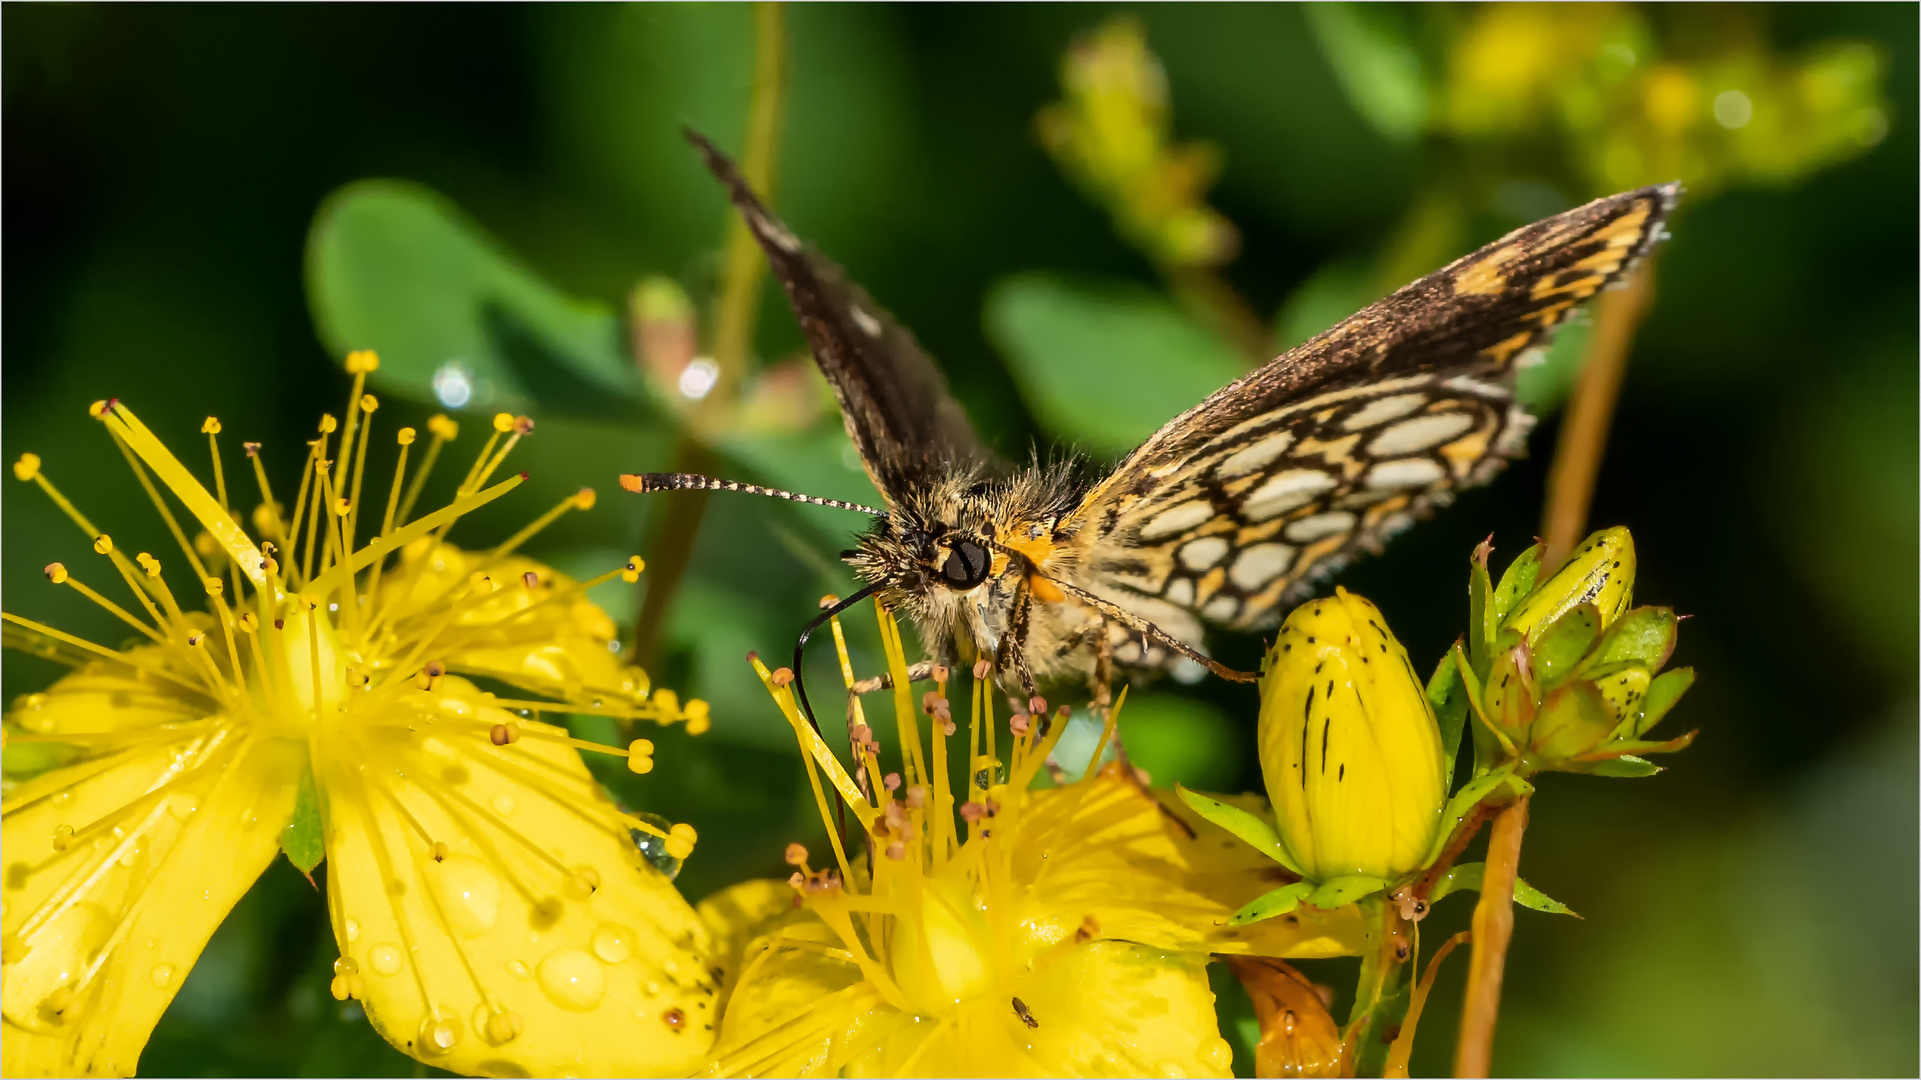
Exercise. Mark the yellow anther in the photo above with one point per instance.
(368, 403)
(680, 841)
(441, 427)
(27, 467)
(698, 719)
(503, 422)
(328, 423)
(406, 436)
(248, 622)
(264, 518)
(62, 837)
(480, 583)
(194, 639)
(796, 855)
(57, 573)
(270, 566)
(523, 425)
(344, 986)
(251, 448)
(362, 361)
(440, 851)
(306, 603)
(341, 506)
(357, 677)
(584, 499)
(667, 702)
(640, 756)
(103, 544)
(632, 571)
(210, 426)
(583, 883)
(98, 409)
(504, 1027)
(504, 734)
(207, 546)
(148, 563)
(215, 586)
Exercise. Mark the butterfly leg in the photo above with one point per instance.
(916, 672)
(1013, 647)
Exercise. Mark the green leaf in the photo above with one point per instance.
(1266, 906)
(1627, 766)
(1342, 891)
(1517, 581)
(1240, 823)
(1104, 365)
(1663, 692)
(301, 839)
(1449, 697)
(1564, 644)
(1480, 604)
(1371, 48)
(1644, 635)
(1466, 877)
(397, 268)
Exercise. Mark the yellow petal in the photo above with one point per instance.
(470, 881)
(1114, 1008)
(98, 937)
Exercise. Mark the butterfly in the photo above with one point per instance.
(1232, 510)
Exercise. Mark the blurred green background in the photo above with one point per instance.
(1751, 910)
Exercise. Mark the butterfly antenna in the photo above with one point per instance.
(645, 482)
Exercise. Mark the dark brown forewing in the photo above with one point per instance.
(1292, 470)
(892, 396)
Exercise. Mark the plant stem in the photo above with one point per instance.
(670, 546)
(1590, 410)
(1493, 926)
(1381, 993)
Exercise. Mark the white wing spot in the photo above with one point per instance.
(868, 324)
(1221, 608)
(1203, 553)
(1258, 565)
(778, 233)
(1332, 523)
(1381, 410)
(1180, 592)
(1256, 456)
(1405, 473)
(1420, 433)
(1285, 491)
(1177, 519)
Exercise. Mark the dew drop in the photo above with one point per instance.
(385, 958)
(614, 943)
(654, 848)
(503, 804)
(353, 929)
(518, 970)
(183, 805)
(572, 980)
(163, 975)
(469, 893)
(652, 988)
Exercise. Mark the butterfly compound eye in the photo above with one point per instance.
(966, 565)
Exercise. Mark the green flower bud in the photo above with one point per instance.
(1600, 572)
(1349, 744)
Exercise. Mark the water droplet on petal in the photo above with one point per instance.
(163, 975)
(385, 958)
(573, 980)
(469, 893)
(519, 970)
(654, 848)
(353, 929)
(503, 804)
(614, 943)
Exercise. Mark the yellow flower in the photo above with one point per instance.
(1058, 931)
(1349, 745)
(380, 704)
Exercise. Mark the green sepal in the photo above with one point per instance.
(1470, 796)
(1277, 902)
(1449, 699)
(1663, 692)
(1517, 581)
(1644, 635)
(1626, 766)
(1558, 652)
(1466, 877)
(1638, 747)
(302, 839)
(1342, 891)
(1480, 610)
(1490, 746)
(1242, 824)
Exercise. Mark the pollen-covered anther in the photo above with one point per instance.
(439, 1036)
(897, 851)
(982, 669)
(640, 756)
(503, 422)
(214, 586)
(148, 563)
(369, 403)
(439, 851)
(327, 425)
(504, 1027)
(26, 467)
(440, 427)
(345, 986)
(405, 436)
(972, 812)
(194, 639)
(56, 573)
(699, 716)
(210, 426)
(862, 734)
(249, 622)
(939, 673)
(891, 781)
(523, 425)
(362, 361)
(1037, 705)
(583, 883)
(635, 567)
(1089, 929)
(796, 856)
(504, 734)
(342, 506)
(584, 499)
(103, 544)
(357, 676)
(680, 840)
(782, 676)
(252, 448)
(1019, 724)
(916, 797)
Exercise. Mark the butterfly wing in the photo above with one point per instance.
(1234, 506)
(895, 401)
